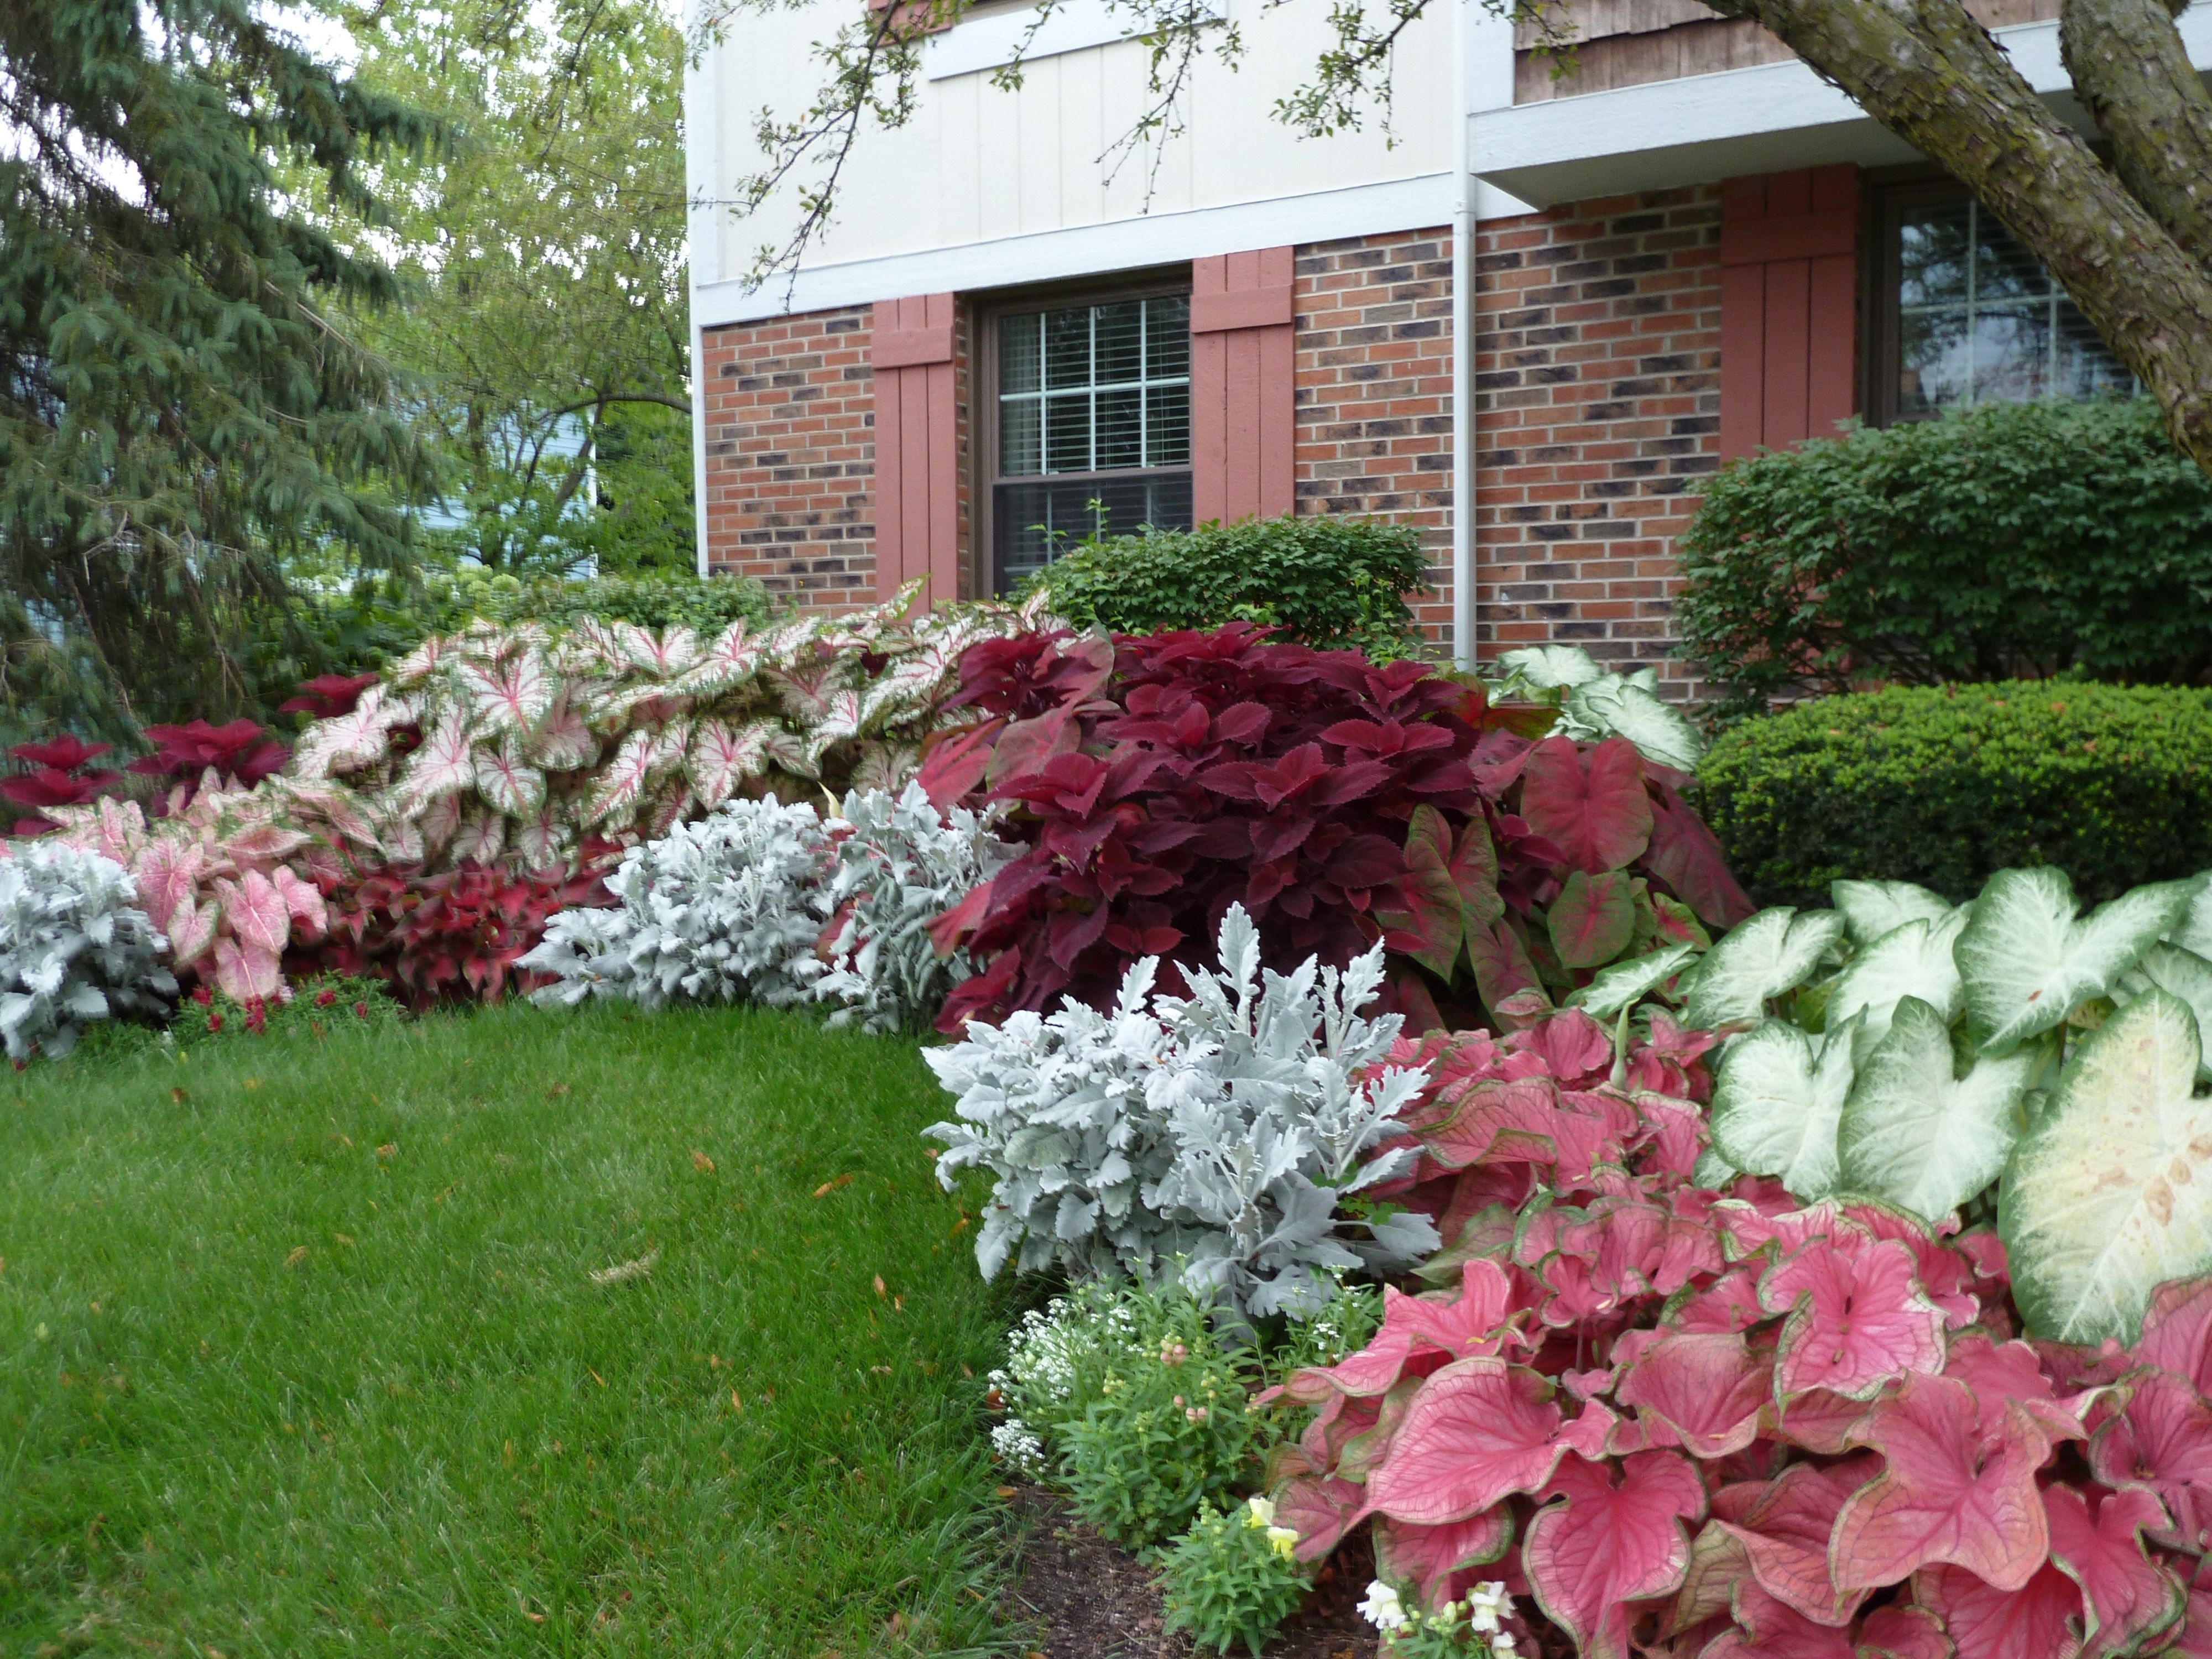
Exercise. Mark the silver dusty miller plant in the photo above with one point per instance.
(721, 910)
(766, 902)
(1211, 1137)
(900, 866)
(74, 947)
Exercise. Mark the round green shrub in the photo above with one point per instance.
(2008, 540)
(1326, 582)
(1943, 785)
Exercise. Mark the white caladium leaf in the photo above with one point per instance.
(1777, 1100)
(1548, 667)
(733, 656)
(1872, 909)
(1914, 960)
(663, 655)
(563, 739)
(436, 823)
(2180, 973)
(616, 792)
(508, 781)
(916, 683)
(480, 838)
(1915, 1135)
(1621, 707)
(2027, 963)
(2108, 1196)
(1626, 983)
(418, 665)
(1774, 951)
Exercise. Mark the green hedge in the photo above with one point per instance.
(2010, 540)
(1328, 582)
(1942, 785)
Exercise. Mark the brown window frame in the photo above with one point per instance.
(990, 310)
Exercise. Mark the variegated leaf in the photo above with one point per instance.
(617, 789)
(418, 665)
(438, 822)
(508, 781)
(885, 765)
(347, 742)
(563, 741)
(191, 932)
(734, 656)
(479, 839)
(724, 754)
(597, 643)
(444, 763)
(909, 687)
(541, 843)
(509, 695)
(805, 686)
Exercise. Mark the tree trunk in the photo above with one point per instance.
(1929, 73)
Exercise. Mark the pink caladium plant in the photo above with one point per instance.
(1704, 1423)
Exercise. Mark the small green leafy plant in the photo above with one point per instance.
(1234, 1577)
(1169, 1431)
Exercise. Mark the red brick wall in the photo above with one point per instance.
(791, 456)
(1373, 378)
(1597, 406)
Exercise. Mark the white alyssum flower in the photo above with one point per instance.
(1014, 1441)
(1382, 1608)
(1488, 1607)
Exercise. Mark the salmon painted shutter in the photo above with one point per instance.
(917, 452)
(1242, 440)
(1790, 268)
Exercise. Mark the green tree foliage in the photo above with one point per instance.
(178, 409)
(547, 251)
(2012, 539)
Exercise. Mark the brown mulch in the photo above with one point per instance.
(1089, 1599)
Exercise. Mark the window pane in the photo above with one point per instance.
(1067, 347)
(1167, 337)
(1018, 349)
(1121, 347)
(1037, 522)
(1021, 436)
(1121, 433)
(1933, 368)
(1933, 247)
(1067, 433)
(2084, 365)
(2011, 353)
(1167, 428)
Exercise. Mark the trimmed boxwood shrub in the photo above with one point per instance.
(2010, 540)
(1942, 785)
(1332, 583)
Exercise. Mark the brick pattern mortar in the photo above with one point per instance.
(1597, 412)
(791, 456)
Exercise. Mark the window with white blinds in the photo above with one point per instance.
(1093, 427)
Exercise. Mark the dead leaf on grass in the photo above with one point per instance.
(297, 1256)
(702, 1163)
(624, 1271)
(829, 1187)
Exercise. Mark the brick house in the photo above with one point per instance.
(1613, 280)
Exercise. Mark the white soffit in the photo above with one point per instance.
(992, 41)
(1761, 119)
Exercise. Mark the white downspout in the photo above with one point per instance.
(1462, 325)
(703, 170)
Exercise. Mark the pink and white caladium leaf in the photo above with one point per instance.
(245, 973)
(507, 781)
(2096, 1540)
(1479, 1431)
(2160, 1439)
(510, 696)
(723, 755)
(617, 791)
(167, 875)
(445, 763)
(1321, 1508)
(1946, 1493)
(437, 823)
(302, 902)
(480, 839)
(663, 655)
(1786, 1535)
(730, 658)
(264, 843)
(256, 913)
(1604, 1546)
(1858, 1317)
(192, 930)
(563, 740)
(1428, 1557)
(1703, 1393)
(2038, 1619)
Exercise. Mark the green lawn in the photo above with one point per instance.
(302, 1349)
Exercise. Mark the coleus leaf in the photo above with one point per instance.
(1686, 856)
(2096, 1540)
(1479, 1431)
(1774, 951)
(1592, 919)
(2027, 963)
(1626, 983)
(1592, 804)
(2034, 1621)
(1777, 1097)
(1912, 960)
(1914, 1135)
(1858, 1317)
(1603, 1547)
(1946, 1493)
(2107, 1195)
(1874, 910)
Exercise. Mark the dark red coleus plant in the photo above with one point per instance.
(55, 776)
(241, 753)
(328, 696)
(452, 937)
(1164, 777)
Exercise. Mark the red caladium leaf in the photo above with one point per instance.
(1902, 1632)
(2096, 1540)
(1320, 1510)
(1945, 1494)
(2161, 1439)
(1479, 1431)
(1858, 1317)
(2037, 1619)
(1592, 918)
(1427, 1557)
(1604, 1546)
(1684, 855)
(1702, 1393)
(2176, 1333)
(1786, 1536)
(1592, 805)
